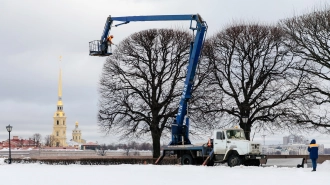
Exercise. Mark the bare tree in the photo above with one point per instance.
(30, 142)
(49, 140)
(102, 151)
(21, 142)
(126, 153)
(142, 83)
(36, 139)
(310, 40)
(133, 145)
(253, 75)
(145, 146)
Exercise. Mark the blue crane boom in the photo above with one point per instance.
(180, 126)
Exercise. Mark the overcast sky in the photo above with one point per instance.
(34, 33)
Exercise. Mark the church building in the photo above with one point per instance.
(59, 126)
(58, 137)
(76, 134)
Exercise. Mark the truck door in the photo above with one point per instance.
(220, 143)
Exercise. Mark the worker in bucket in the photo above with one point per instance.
(109, 39)
(313, 150)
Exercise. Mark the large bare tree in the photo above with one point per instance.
(309, 36)
(142, 82)
(254, 75)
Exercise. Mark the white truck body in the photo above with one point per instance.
(224, 142)
(226, 145)
(232, 141)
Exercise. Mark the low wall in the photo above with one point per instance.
(46, 153)
(15, 153)
(96, 160)
(62, 153)
(321, 158)
(74, 154)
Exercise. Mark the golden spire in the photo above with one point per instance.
(60, 85)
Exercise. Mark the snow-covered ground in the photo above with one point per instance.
(40, 174)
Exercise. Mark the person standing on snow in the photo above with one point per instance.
(313, 150)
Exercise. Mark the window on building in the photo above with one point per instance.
(56, 133)
(63, 132)
(79, 137)
(73, 137)
(57, 122)
(63, 122)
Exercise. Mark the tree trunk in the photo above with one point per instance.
(247, 129)
(155, 142)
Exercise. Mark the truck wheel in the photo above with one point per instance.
(186, 159)
(234, 160)
(256, 162)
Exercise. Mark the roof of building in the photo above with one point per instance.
(91, 143)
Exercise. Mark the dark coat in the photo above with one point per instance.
(313, 150)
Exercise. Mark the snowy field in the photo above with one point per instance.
(39, 174)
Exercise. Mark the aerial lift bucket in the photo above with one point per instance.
(285, 162)
(96, 48)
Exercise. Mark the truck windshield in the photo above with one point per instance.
(235, 134)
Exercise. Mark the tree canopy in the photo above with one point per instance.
(142, 82)
(254, 74)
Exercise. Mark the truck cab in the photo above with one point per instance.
(231, 146)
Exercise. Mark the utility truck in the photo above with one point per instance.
(228, 145)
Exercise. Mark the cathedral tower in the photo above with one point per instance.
(59, 126)
(76, 134)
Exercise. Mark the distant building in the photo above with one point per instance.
(76, 133)
(290, 149)
(15, 142)
(90, 146)
(285, 140)
(59, 125)
(294, 139)
(74, 144)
